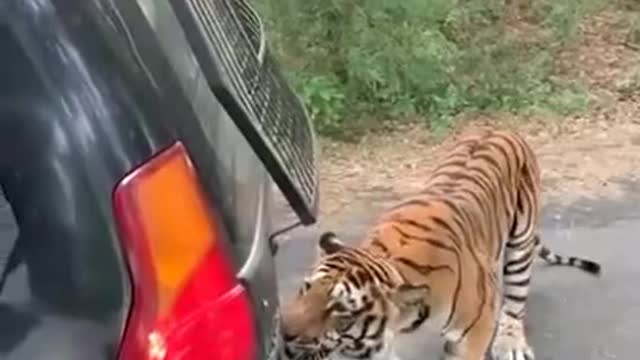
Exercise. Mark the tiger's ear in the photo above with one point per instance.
(407, 295)
(329, 243)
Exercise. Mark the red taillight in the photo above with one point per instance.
(187, 302)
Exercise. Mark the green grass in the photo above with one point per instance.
(359, 63)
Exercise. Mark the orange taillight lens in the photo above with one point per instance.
(173, 214)
(185, 294)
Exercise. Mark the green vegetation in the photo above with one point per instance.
(362, 63)
(632, 8)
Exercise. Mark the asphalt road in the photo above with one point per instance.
(572, 315)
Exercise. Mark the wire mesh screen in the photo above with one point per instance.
(228, 39)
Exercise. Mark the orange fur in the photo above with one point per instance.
(440, 253)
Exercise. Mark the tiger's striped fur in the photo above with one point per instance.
(459, 255)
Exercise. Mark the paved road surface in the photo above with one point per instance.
(572, 315)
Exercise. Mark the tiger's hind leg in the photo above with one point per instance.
(510, 341)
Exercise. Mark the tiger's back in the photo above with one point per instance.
(484, 192)
(488, 183)
(474, 228)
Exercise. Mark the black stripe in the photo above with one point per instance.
(507, 158)
(527, 241)
(515, 265)
(534, 198)
(412, 202)
(374, 265)
(482, 180)
(450, 348)
(378, 244)
(354, 279)
(380, 329)
(468, 224)
(483, 205)
(524, 282)
(366, 307)
(425, 270)
(331, 264)
(482, 290)
(527, 256)
(501, 183)
(482, 174)
(528, 210)
(544, 252)
(288, 352)
(359, 258)
(457, 213)
(365, 277)
(513, 315)
(498, 172)
(423, 315)
(464, 176)
(337, 307)
(491, 193)
(509, 139)
(346, 257)
(447, 185)
(456, 292)
(515, 298)
(366, 323)
(520, 270)
(449, 163)
(488, 188)
(413, 223)
(456, 238)
(527, 202)
(430, 241)
(478, 315)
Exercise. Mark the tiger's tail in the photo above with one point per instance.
(552, 258)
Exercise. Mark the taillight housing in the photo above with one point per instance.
(186, 300)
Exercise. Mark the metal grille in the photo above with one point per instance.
(228, 39)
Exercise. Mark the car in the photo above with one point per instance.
(140, 145)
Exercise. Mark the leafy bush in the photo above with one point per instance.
(632, 23)
(357, 62)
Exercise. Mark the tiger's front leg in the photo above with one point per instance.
(472, 343)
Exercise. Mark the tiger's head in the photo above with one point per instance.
(348, 304)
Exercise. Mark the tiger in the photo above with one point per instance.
(457, 255)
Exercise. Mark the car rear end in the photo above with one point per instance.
(139, 179)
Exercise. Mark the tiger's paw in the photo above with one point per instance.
(510, 343)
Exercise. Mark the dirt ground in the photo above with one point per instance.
(590, 155)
